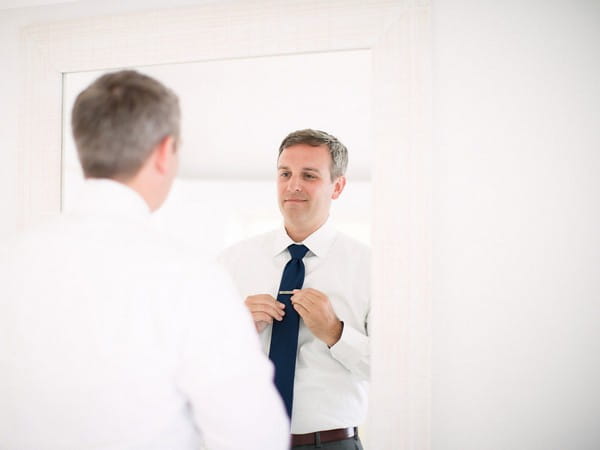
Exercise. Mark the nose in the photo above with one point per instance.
(294, 184)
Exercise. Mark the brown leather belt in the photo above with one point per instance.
(322, 436)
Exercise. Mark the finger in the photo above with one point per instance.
(315, 297)
(308, 299)
(271, 310)
(300, 293)
(301, 310)
(262, 317)
(262, 300)
(301, 302)
(304, 298)
(312, 292)
(259, 297)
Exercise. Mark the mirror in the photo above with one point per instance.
(234, 115)
(397, 35)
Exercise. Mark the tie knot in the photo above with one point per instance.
(297, 251)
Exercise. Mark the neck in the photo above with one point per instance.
(300, 233)
(144, 190)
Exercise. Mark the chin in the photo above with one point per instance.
(294, 216)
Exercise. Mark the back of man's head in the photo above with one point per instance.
(118, 120)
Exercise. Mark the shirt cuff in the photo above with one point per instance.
(352, 347)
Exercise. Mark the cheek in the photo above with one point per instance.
(280, 190)
(324, 193)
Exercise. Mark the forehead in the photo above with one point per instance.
(305, 156)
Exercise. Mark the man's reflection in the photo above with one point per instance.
(307, 287)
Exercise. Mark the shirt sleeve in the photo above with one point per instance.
(225, 375)
(352, 350)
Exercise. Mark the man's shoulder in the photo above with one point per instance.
(73, 238)
(251, 244)
(352, 244)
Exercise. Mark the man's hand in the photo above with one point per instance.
(264, 308)
(315, 309)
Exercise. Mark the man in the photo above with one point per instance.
(307, 288)
(111, 337)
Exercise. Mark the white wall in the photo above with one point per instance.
(516, 312)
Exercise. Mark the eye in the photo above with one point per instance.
(309, 176)
(284, 174)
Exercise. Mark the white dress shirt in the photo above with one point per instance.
(112, 337)
(330, 384)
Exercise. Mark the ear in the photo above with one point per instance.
(338, 187)
(163, 154)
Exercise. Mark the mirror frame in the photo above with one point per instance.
(398, 35)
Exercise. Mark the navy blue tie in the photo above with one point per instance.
(284, 337)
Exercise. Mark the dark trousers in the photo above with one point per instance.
(352, 443)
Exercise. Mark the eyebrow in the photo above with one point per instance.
(304, 169)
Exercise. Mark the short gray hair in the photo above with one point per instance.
(316, 138)
(119, 119)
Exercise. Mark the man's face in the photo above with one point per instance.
(304, 186)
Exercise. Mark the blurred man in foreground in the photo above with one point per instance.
(112, 337)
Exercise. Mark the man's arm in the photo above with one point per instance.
(229, 381)
(352, 350)
(347, 345)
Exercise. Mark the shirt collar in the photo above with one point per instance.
(109, 197)
(319, 242)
